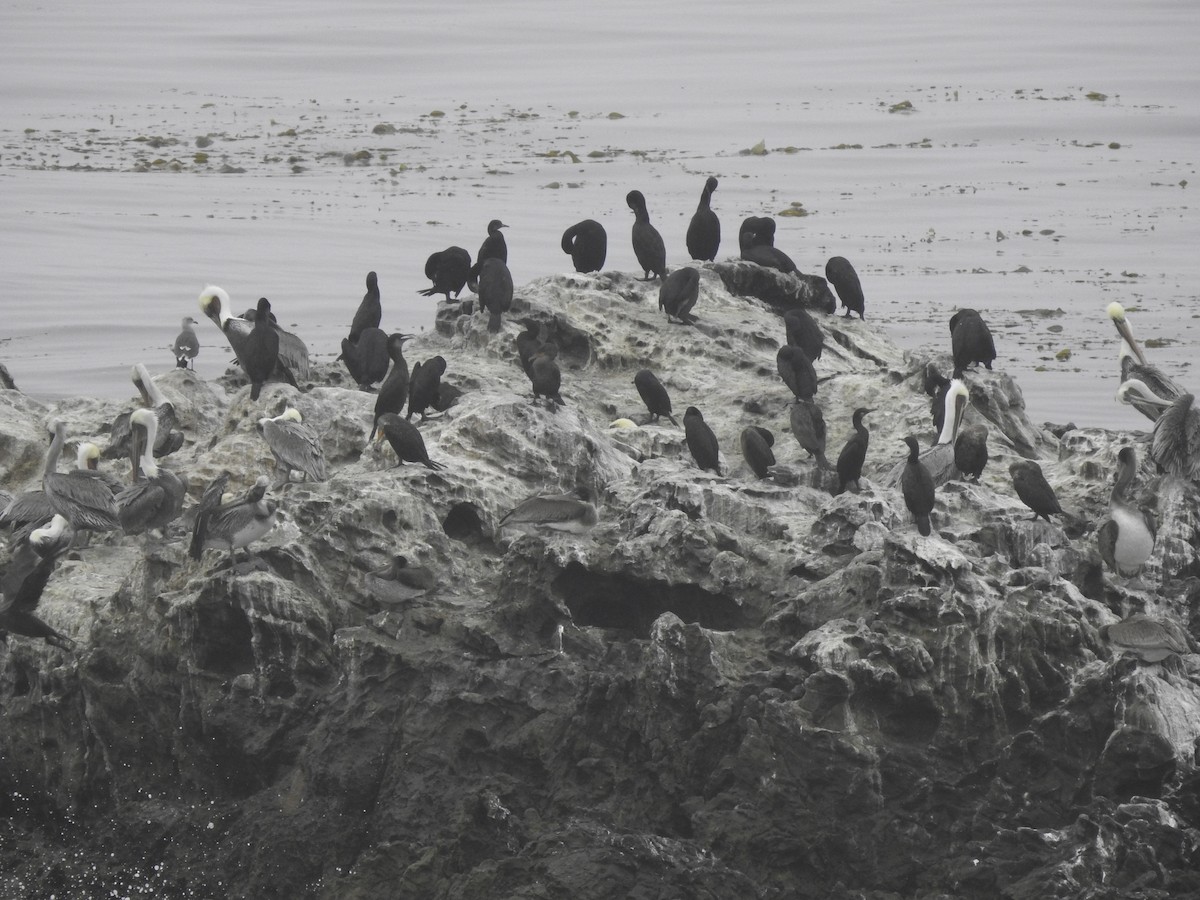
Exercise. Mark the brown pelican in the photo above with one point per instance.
(1150, 640)
(704, 231)
(187, 346)
(294, 444)
(917, 487)
(232, 526)
(854, 454)
(1134, 366)
(939, 459)
(28, 510)
(156, 498)
(1175, 439)
(85, 501)
(648, 244)
(654, 395)
(25, 578)
(1127, 538)
(293, 354)
(701, 441)
(1034, 490)
(587, 242)
(169, 437)
(209, 501)
(571, 512)
(398, 582)
(756, 445)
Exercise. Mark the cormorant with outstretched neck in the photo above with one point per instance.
(648, 244)
(842, 276)
(587, 243)
(797, 372)
(393, 393)
(495, 289)
(1034, 490)
(808, 426)
(187, 346)
(970, 451)
(260, 351)
(971, 340)
(1127, 538)
(448, 270)
(425, 385)
(701, 441)
(756, 449)
(804, 332)
(854, 454)
(678, 294)
(654, 395)
(494, 246)
(916, 485)
(370, 310)
(704, 231)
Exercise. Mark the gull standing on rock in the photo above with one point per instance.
(294, 445)
(187, 346)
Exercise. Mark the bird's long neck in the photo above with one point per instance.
(55, 451)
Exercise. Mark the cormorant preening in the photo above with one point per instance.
(808, 425)
(367, 359)
(756, 449)
(970, 451)
(756, 243)
(971, 340)
(448, 270)
(804, 332)
(796, 370)
(678, 294)
(916, 484)
(545, 375)
(587, 242)
(648, 244)
(704, 231)
(425, 385)
(842, 276)
(654, 395)
(24, 579)
(701, 441)
(1175, 440)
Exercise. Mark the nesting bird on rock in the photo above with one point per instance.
(1150, 640)
(756, 243)
(573, 513)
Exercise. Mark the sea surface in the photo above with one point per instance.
(1032, 160)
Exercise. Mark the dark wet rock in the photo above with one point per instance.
(724, 688)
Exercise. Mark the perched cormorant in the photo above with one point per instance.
(367, 359)
(654, 395)
(648, 244)
(294, 446)
(971, 340)
(1175, 440)
(796, 370)
(916, 484)
(260, 351)
(854, 454)
(587, 242)
(232, 526)
(293, 354)
(393, 393)
(970, 451)
(545, 375)
(808, 425)
(424, 385)
(842, 276)
(700, 440)
(398, 582)
(1134, 366)
(155, 498)
(573, 512)
(704, 231)
(495, 289)
(494, 246)
(187, 346)
(24, 579)
(756, 449)
(756, 243)
(406, 440)
(528, 342)
(678, 294)
(86, 502)
(804, 332)
(1034, 490)
(370, 310)
(448, 270)
(1126, 539)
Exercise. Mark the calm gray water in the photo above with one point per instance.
(1045, 164)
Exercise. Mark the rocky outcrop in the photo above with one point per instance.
(729, 687)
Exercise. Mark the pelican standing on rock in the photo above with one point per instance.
(293, 354)
(1175, 440)
(155, 499)
(232, 526)
(294, 445)
(84, 501)
(917, 487)
(573, 513)
(939, 459)
(187, 346)
(1126, 539)
(1134, 367)
(169, 438)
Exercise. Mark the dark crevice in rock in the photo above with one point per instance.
(463, 523)
(628, 604)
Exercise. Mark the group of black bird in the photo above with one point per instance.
(45, 523)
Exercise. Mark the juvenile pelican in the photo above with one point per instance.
(25, 579)
(571, 512)
(398, 582)
(232, 526)
(187, 346)
(293, 354)
(209, 501)
(84, 501)
(156, 498)
(1175, 440)
(1134, 367)
(294, 445)
(1127, 538)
